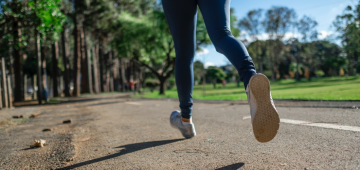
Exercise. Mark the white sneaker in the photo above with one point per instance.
(264, 116)
(188, 131)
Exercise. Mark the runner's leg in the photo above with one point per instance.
(216, 14)
(181, 16)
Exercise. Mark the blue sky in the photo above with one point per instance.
(323, 11)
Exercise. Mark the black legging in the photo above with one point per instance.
(181, 17)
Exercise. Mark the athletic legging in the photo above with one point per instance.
(181, 16)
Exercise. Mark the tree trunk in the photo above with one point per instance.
(162, 85)
(25, 87)
(89, 75)
(261, 66)
(61, 85)
(85, 80)
(4, 84)
(34, 84)
(273, 72)
(95, 52)
(44, 90)
(297, 76)
(55, 57)
(18, 92)
(65, 55)
(116, 74)
(111, 72)
(122, 72)
(38, 69)
(214, 83)
(141, 79)
(101, 61)
(77, 59)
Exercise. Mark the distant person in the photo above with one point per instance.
(131, 85)
(126, 86)
(181, 17)
(223, 82)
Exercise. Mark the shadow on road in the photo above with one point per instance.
(232, 166)
(127, 149)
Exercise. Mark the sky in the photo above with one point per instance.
(323, 11)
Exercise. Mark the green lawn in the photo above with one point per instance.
(332, 88)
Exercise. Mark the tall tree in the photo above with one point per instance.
(17, 16)
(348, 26)
(277, 22)
(251, 24)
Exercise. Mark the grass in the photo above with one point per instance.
(10, 122)
(331, 88)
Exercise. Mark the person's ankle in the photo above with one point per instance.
(186, 121)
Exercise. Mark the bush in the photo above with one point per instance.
(152, 85)
(171, 83)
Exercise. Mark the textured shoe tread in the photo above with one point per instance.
(266, 120)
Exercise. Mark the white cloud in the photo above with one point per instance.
(202, 52)
(324, 34)
(338, 8)
(265, 36)
(208, 64)
(291, 35)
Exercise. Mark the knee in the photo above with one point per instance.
(218, 38)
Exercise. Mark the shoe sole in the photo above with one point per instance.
(266, 121)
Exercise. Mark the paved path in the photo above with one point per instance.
(115, 132)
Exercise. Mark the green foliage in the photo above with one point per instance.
(199, 71)
(348, 26)
(49, 18)
(251, 23)
(171, 83)
(151, 84)
(215, 73)
(278, 20)
(329, 88)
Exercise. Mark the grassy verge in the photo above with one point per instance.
(10, 122)
(331, 88)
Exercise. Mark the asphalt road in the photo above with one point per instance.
(115, 132)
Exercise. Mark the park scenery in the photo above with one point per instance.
(90, 84)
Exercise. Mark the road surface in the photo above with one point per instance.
(117, 132)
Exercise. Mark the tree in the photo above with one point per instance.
(251, 24)
(306, 26)
(199, 71)
(18, 16)
(258, 49)
(277, 22)
(148, 41)
(294, 50)
(347, 25)
(329, 57)
(215, 73)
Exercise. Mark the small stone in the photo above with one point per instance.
(67, 121)
(17, 117)
(46, 130)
